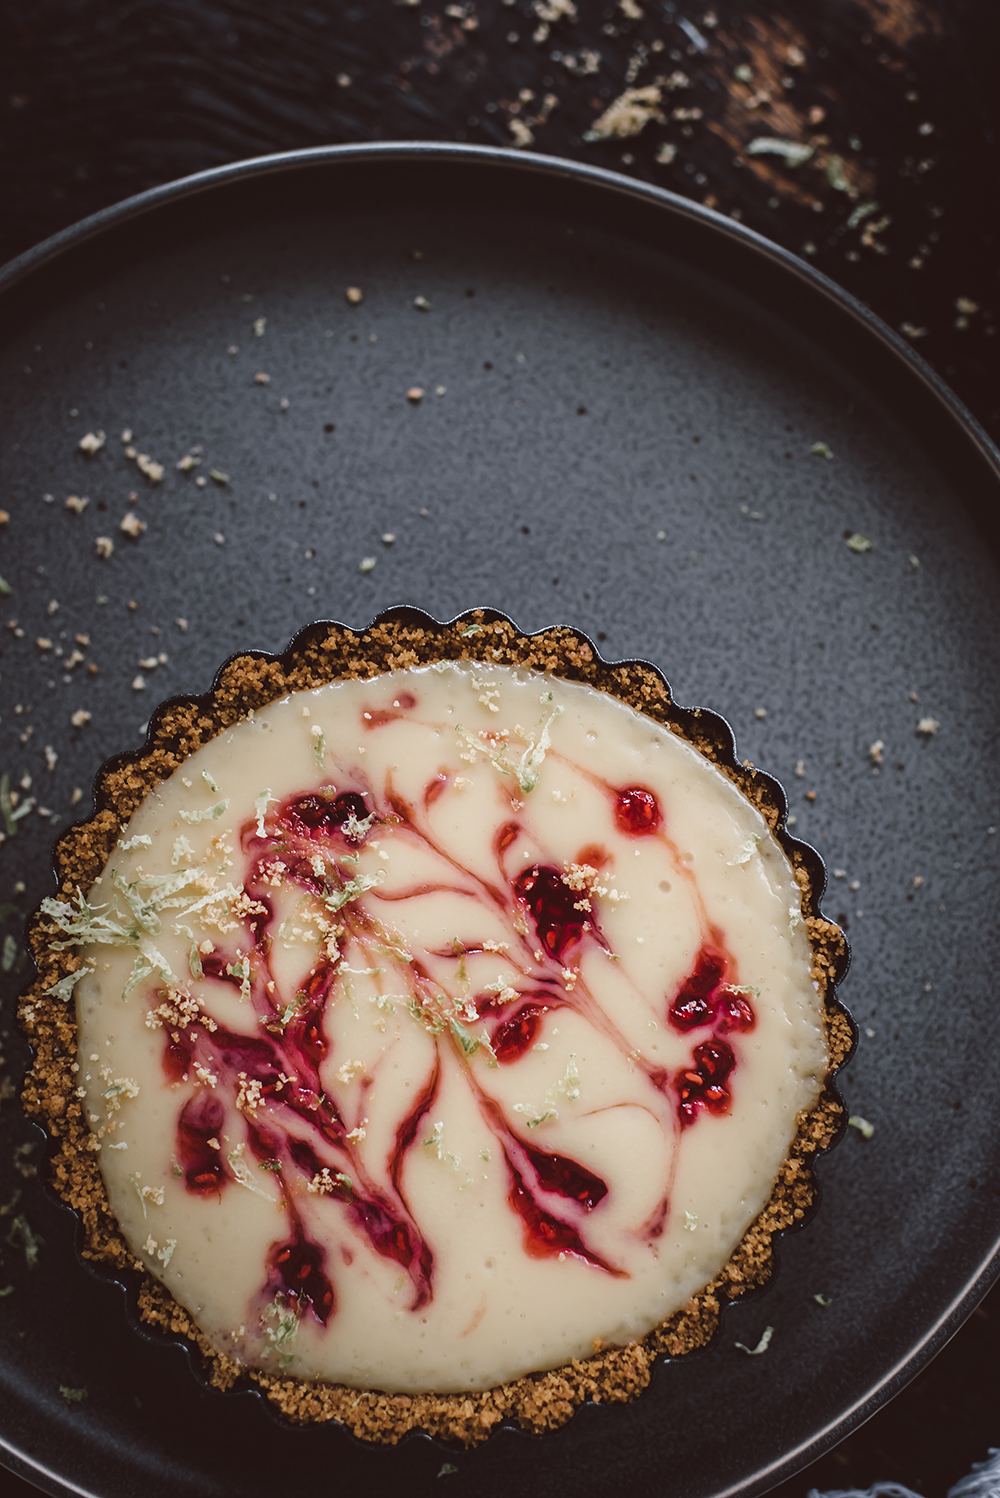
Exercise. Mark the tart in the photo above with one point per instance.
(439, 1021)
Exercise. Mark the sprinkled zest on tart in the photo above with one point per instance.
(361, 1031)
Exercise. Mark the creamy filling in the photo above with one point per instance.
(442, 1027)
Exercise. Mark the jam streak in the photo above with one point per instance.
(546, 1234)
(705, 998)
(554, 908)
(198, 1147)
(311, 842)
(513, 1036)
(708, 995)
(279, 1071)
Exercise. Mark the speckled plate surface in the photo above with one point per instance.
(638, 399)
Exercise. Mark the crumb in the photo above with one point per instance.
(153, 471)
(628, 115)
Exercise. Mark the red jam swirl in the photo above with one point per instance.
(706, 998)
(546, 1234)
(276, 1067)
(199, 1150)
(637, 811)
(695, 1002)
(513, 1036)
(296, 1275)
(553, 907)
(703, 1083)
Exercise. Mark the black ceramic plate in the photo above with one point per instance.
(629, 410)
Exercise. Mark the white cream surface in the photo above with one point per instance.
(441, 1152)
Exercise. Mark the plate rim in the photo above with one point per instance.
(64, 242)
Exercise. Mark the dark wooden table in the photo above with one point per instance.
(884, 175)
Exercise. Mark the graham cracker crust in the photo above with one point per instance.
(322, 653)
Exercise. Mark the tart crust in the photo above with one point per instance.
(322, 653)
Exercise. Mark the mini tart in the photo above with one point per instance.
(401, 640)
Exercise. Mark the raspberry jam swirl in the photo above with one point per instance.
(467, 1015)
